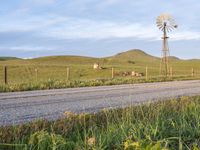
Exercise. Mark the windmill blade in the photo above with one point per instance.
(170, 28)
(167, 21)
(161, 28)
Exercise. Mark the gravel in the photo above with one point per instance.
(20, 107)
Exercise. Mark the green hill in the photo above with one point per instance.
(7, 58)
(127, 58)
(136, 56)
(59, 60)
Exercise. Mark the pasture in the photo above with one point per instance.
(65, 69)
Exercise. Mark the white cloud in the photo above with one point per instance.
(35, 23)
(64, 27)
(82, 28)
(186, 35)
(26, 58)
(29, 48)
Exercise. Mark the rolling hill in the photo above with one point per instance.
(81, 68)
(121, 58)
(8, 58)
(134, 56)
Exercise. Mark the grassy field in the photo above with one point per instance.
(34, 73)
(165, 125)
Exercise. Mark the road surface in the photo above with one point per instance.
(21, 107)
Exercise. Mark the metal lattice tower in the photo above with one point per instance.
(165, 23)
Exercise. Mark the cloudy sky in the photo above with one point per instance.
(33, 28)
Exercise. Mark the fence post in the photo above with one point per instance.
(192, 72)
(112, 73)
(5, 75)
(171, 72)
(68, 73)
(36, 74)
(146, 73)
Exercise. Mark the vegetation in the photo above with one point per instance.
(7, 58)
(166, 125)
(51, 72)
(57, 84)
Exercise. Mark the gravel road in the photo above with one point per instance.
(19, 107)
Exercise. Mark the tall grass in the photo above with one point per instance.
(173, 124)
(58, 84)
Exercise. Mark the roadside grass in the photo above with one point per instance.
(166, 125)
(58, 84)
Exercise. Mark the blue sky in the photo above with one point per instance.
(33, 28)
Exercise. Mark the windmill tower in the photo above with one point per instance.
(165, 23)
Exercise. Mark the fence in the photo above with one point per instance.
(28, 74)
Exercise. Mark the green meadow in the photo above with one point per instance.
(52, 71)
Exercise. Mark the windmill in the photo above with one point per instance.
(165, 23)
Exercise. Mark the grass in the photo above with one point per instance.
(166, 125)
(8, 58)
(57, 84)
(43, 73)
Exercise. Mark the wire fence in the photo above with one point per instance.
(29, 74)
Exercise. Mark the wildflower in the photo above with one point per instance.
(68, 113)
(130, 144)
(91, 141)
(136, 144)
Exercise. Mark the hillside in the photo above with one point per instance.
(81, 68)
(124, 57)
(7, 58)
(134, 56)
(127, 58)
(64, 60)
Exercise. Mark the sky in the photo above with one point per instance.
(97, 28)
